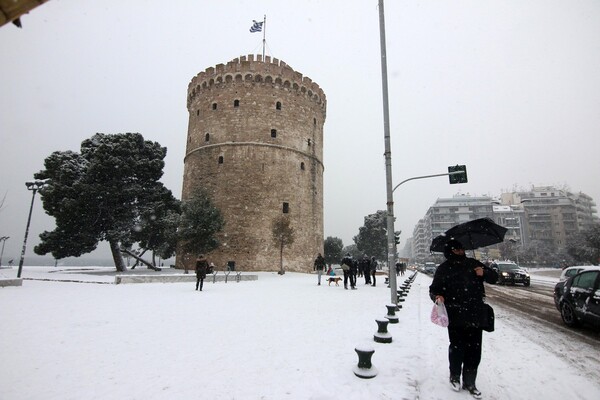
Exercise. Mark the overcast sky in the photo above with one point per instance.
(509, 88)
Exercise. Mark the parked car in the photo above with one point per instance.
(578, 298)
(509, 272)
(430, 268)
(571, 271)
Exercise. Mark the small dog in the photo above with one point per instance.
(335, 279)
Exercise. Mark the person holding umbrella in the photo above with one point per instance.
(458, 284)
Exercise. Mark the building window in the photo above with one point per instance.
(198, 112)
(236, 103)
(220, 159)
(214, 106)
(302, 166)
(273, 133)
(286, 207)
(278, 105)
(207, 137)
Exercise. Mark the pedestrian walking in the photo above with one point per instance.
(201, 268)
(458, 284)
(319, 265)
(373, 268)
(346, 264)
(365, 266)
(353, 273)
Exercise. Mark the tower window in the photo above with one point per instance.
(278, 105)
(286, 207)
(220, 159)
(302, 166)
(198, 112)
(207, 137)
(214, 106)
(314, 121)
(236, 103)
(273, 133)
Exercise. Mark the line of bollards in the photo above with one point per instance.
(365, 368)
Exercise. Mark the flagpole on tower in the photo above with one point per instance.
(264, 36)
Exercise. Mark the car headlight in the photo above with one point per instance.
(505, 274)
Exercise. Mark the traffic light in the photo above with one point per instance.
(458, 178)
(397, 237)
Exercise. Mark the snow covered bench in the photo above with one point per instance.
(11, 282)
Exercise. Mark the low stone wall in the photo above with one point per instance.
(11, 282)
(220, 277)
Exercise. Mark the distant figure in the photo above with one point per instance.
(365, 266)
(346, 263)
(319, 266)
(353, 273)
(373, 270)
(201, 268)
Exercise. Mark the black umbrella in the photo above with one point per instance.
(473, 235)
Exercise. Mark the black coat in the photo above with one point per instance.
(201, 268)
(462, 289)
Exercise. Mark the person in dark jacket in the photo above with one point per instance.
(365, 266)
(319, 266)
(201, 268)
(353, 274)
(373, 268)
(458, 283)
(346, 265)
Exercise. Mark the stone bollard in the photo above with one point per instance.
(391, 314)
(365, 369)
(382, 335)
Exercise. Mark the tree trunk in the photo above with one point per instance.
(281, 271)
(116, 255)
(140, 260)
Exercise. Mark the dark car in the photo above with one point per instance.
(509, 272)
(430, 268)
(578, 299)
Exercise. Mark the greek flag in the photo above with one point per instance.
(256, 26)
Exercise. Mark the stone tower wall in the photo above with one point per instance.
(255, 142)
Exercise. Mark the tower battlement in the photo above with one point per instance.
(252, 69)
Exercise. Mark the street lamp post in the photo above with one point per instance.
(4, 239)
(391, 238)
(34, 187)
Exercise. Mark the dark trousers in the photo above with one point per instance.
(367, 277)
(464, 353)
(352, 278)
(373, 275)
(346, 275)
(199, 282)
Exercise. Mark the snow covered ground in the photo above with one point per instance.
(280, 337)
